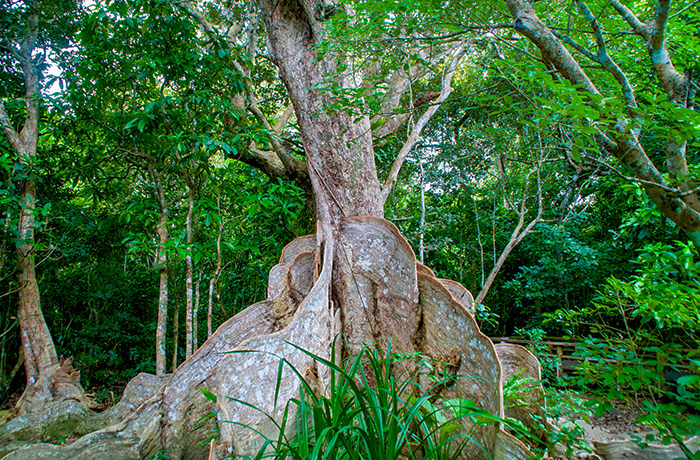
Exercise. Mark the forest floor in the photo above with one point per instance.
(617, 424)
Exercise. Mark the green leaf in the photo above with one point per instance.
(575, 155)
(208, 394)
(689, 380)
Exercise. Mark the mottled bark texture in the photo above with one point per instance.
(357, 276)
(677, 199)
(162, 264)
(398, 299)
(339, 152)
(47, 380)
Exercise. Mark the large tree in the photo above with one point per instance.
(46, 379)
(357, 276)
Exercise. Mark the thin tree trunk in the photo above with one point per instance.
(218, 298)
(210, 306)
(176, 328)
(217, 271)
(481, 245)
(516, 237)
(189, 269)
(162, 263)
(493, 230)
(162, 324)
(195, 315)
(421, 247)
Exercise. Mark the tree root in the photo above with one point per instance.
(361, 280)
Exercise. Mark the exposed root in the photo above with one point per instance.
(370, 288)
(519, 362)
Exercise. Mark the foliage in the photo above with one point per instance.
(642, 342)
(567, 410)
(549, 364)
(558, 431)
(372, 408)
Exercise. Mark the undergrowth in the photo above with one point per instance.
(373, 407)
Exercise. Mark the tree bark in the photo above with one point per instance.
(340, 156)
(189, 274)
(162, 264)
(176, 327)
(40, 358)
(421, 224)
(195, 315)
(518, 233)
(681, 203)
(213, 282)
(38, 347)
(357, 276)
(39, 351)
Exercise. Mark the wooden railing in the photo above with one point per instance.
(562, 349)
(558, 348)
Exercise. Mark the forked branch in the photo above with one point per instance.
(10, 133)
(604, 59)
(415, 134)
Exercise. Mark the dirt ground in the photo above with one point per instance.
(619, 423)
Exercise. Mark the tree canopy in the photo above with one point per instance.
(159, 156)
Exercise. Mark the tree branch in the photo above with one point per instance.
(576, 45)
(517, 235)
(683, 10)
(195, 13)
(283, 119)
(10, 133)
(398, 84)
(604, 58)
(424, 119)
(528, 24)
(631, 19)
(277, 163)
(673, 191)
(674, 83)
(626, 144)
(658, 31)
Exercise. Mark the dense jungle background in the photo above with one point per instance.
(153, 190)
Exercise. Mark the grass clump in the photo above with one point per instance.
(374, 407)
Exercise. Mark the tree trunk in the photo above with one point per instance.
(518, 233)
(176, 330)
(357, 276)
(162, 263)
(217, 271)
(195, 315)
(421, 225)
(47, 381)
(339, 151)
(39, 352)
(210, 306)
(189, 274)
